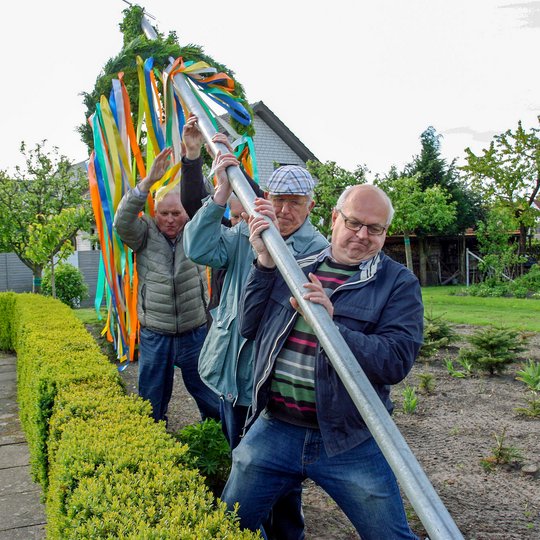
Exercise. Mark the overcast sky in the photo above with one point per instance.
(356, 81)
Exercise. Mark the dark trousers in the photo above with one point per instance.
(158, 355)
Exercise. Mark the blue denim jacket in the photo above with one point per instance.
(381, 320)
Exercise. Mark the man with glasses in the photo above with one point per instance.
(304, 424)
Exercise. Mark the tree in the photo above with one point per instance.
(41, 207)
(135, 43)
(508, 174)
(332, 180)
(499, 255)
(432, 170)
(417, 209)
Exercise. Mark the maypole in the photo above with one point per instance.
(182, 84)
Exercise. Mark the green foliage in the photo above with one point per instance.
(437, 334)
(526, 286)
(500, 255)
(53, 350)
(433, 171)
(7, 304)
(135, 43)
(426, 383)
(508, 175)
(530, 375)
(107, 469)
(494, 348)
(501, 454)
(41, 206)
(208, 451)
(417, 210)
(410, 400)
(69, 284)
(467, 370)
(332, 181)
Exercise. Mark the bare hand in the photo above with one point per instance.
(159, 167)
(258, 224)
(316, 294)
(192, 138)
(266, 208)
(223, 187)
(222, 139)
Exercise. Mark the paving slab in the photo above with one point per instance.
(22, 515)
(24, 533)
(21, 511)
(14, 455)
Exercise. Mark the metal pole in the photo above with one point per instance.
(410, 474)
(467, 265)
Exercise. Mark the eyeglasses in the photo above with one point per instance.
(298, 202)
(374, 229)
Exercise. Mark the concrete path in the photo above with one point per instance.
(22, 516)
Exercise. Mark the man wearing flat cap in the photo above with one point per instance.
(226, 359)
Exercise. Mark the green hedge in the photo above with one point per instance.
(7, 302)
(107, 469)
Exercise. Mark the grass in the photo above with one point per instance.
(520, 314)
(89, 316)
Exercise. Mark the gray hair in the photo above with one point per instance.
(348, 190)
(162, 192)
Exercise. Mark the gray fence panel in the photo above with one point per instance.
(17, 277)
(14, 275)
(89, 266)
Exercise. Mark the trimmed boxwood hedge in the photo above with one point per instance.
(106, 468)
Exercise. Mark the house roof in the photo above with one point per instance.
(261, 110)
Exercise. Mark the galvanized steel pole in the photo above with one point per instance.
(408, 471)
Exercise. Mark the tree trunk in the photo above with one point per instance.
(408, 252)
(36, 281)
(423, 261)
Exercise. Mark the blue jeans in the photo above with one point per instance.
(274, 456)
(158, 355)
(233, 419)
(286, 520)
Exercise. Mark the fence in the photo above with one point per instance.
(17, 277)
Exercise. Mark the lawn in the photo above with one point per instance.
(521, 314)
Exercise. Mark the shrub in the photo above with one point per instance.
(494, 348)
(437, 333)
(53, 351)
(410, 399)
(7, 302)
(208, 451)
(107, 469)
(530, 375)
(426, 382)
(69, 283)
(501, 454)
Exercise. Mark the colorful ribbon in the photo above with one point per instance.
(118, 158)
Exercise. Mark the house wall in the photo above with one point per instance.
(270, 148)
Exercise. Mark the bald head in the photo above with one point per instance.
(373, 193)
